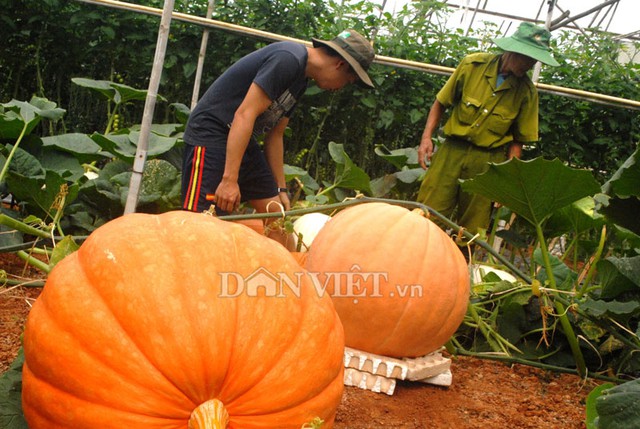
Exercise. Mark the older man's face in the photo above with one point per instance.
(516, 64)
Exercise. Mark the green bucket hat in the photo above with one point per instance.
(530, 40)
(355, 49)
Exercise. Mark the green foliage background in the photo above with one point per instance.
(46, 43)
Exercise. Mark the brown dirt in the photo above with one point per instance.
(484, 394)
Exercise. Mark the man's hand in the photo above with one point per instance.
(425, 150)
(514, 150)
(284, 199)
(228, 195)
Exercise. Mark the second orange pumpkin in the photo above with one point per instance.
(398, 282)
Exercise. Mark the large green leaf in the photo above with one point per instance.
(619, 407)
(398, 157)
(63, 163)
(618, 275)
(75, 143)
(591, 410)
(624, 182)
(117, 144)
(63, 248)
(348, 175)
(381, 186)
(10, 396)
(600, 308)
(157, 144)
(9, 236)
(15, 115)
(115, 92)
(622, 188)
(160, 187)
(562, 274)
(126, 93)
(25, 164)
(181, 111)
(41, 193)
(309, 185)
(623, 212)
(577, 217)
(410, 175)
(533, 189)
(124, 145)
(628, 237)
(102, 87)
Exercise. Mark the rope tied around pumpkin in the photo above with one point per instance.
(209, 415)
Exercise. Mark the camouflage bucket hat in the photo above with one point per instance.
(355, 49)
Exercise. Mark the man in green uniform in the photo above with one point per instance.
(494, 111)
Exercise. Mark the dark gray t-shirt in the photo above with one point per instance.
(279, 69)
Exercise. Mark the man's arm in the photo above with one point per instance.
(274, 152)
(426, 144)
(255, 102)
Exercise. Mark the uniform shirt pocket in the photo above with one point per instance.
(500, 121)
(468, 110)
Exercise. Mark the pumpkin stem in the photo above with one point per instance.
(209, 415)
(421, 212)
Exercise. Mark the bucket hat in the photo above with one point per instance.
(355, 49)
(530, 40)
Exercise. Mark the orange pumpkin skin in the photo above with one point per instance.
(255, 224)
(300, 257)
(422, 289)
(134, 331)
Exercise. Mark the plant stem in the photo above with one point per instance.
(24, 283)
(560, 308)
(593, 262)
(327, 189)
(484, 329)
(314, 146)
(42, 266)
(112, 116)
(510, 359)
(402, 203)
(5, 168)
(22, 227)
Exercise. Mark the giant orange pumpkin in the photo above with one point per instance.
(139, 329)
(398, 282)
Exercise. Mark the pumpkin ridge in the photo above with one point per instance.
(152, 363)
(456, 296)
(42, 412)
(331, 330)
(336, 383)
(84, 343)
(166, 233)
(258, 381)
(74, 395)
(423, 252)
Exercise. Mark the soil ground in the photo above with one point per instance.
(484, 394)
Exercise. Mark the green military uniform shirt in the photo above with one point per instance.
(483, 114)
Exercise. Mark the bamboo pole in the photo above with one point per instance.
(547, 24)
(201, 55)
(379, 59)
(149, 108)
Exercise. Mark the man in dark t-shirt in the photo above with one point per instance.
(255, 97)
